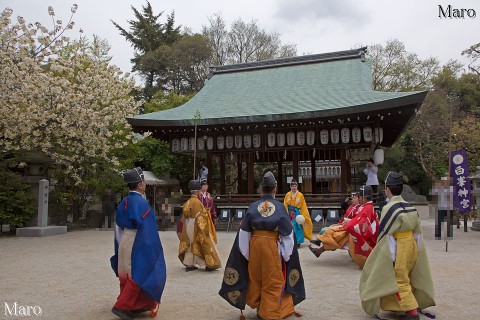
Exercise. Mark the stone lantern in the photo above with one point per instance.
(475, 178)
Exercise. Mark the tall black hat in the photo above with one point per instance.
(194, 185)
(133, 175)
(269, 180)
(365, 191)
(394, 179)
(293, 182)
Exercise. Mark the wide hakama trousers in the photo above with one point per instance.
(406, 258)
(131, 295)
(266, 284)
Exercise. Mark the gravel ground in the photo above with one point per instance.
(69, 277)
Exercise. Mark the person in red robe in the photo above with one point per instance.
(359, 233)
(207, 201)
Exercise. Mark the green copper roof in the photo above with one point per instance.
(294, 88)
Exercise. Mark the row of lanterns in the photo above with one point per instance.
(280, 139)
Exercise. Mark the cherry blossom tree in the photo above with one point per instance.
(61, 98)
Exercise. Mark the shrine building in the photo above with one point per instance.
(315, 118)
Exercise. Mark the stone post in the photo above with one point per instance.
(43, 189)
(42, 229)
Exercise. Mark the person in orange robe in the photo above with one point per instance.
(359, 233)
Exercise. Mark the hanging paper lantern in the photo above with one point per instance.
(175, 145)
(200, 143)
(378, 156)
(271, 139)
(356, 135)
(247, 141)
(238, 141)
(345, 133)
(229, 142)
(310, 137)
(210, 143)
(301, 138)
(367, 134)
(335, 136)
(191, 143)
(291, 138)
(324, 136)
(257, 140)
(220, 142)
(281, 139)
(378, 135)
(184, 144)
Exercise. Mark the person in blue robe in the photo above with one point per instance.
(138, 262)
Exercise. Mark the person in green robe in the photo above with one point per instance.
(396, 276)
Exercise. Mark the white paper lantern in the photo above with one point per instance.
(378, 156)
(281, 139)
(378, 135)
(184, 144)
(310, 137)
(335, 136)
(229, 142)
(210, 143)
(345, 133)
(238, 141)
(257, 140)
(301, 138)
(191, 143)
(291, 138)
(324, 136)
(200, 143)
(175, 145)
(367, 134)
(220, 142)
(271, 139)
(247, 141)
(356, 135)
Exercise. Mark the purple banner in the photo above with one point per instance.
(462, 192)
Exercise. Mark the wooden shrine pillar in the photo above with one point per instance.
(295, 165)
(280, 176)
(239, 176)
(313, 167)
(250, 174)
(223, 179)
(210, 172)
(345, 171)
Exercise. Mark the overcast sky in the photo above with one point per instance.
(315, 26)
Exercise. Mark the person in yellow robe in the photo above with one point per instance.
(397, 275)
(295, 204)
(197, 240)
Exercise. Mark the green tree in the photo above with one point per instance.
(17, 205)
(395, 69)
(146, 35)
(244, 42)
(180, 67)
(164, 101)
(474, 54)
